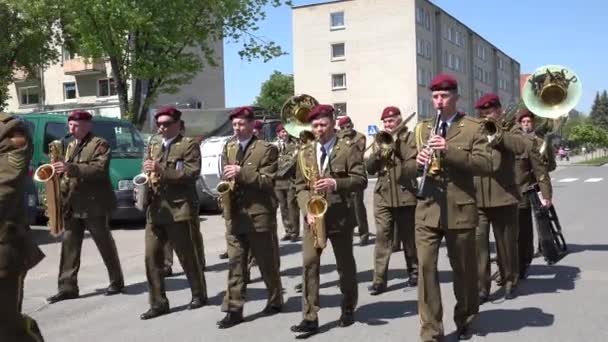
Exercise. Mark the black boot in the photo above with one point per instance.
(231, 319)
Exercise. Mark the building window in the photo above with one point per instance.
(106, 87)
(338, 52)
(423, 18)
(340, 108)
(338, 81)
(423, 48)
(478, 73)
(481, 52)
(336, 20)
(69, 90)
(29, 95)
(479, 93)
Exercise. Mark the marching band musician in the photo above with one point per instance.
(394, 199)
(497, 199)
(530, 169)
(252, 225)
(341, 172)
(18, 251)
(446, 208)
(88, 199)
(285, 185)
(175, 163)
(347, 129)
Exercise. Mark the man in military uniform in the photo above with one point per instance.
(394, 198)
(251, 222)
(173, 166)
(339, 164)
(446, 208)
(285, 186)
(530, 169)
(347, 130)
(88, 200)
(18, 251)
(497, 199)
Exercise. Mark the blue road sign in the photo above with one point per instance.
(372, 130)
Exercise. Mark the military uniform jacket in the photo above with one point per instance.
(530, 168)
(286, 170)
(86, 187)
(500, 188)
(254, 202)
(345, 165)
(450, 195)
(396, 183)
(18, 251)
(175, 199)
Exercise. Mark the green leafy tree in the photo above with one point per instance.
(275, 91)
(157, 46)
(27, 39)
(599, 110)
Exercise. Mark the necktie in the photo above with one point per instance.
(240, 154)
(323, 156)
(444, 129)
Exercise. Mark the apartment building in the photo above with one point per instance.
(363, 55)
(77, 83)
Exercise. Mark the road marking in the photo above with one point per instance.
(593, 180)
(568, 180)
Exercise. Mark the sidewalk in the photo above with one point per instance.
(577, 158)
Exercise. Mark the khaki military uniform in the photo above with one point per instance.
(88, 200)
(285, 189)
(252, 226)
(448, 209)
(171, 217)
(530, 168)
(395, 204)
(18, 251)
(345, 165)
(198, 240)
(358, 196)
(497, 198)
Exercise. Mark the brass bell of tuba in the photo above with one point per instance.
(552, 91)
(52, 197)
(294, 113)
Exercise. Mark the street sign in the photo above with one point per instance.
(372, 130)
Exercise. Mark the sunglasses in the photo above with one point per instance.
(165, 124)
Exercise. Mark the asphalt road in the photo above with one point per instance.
(563, 302)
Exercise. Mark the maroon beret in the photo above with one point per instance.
(242, 113)
(523, 113)
(80, 115)
(443, 82)
(257, 124)
(488, 101)
(279, 128)
(320, 111)
(344, 120)
(390, 111)
(169, 111)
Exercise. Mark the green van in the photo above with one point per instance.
(127, 148)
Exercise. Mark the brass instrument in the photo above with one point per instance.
(494, 129)
(383, 141)
(294, 113)
(317, 204)
(433, 165)
(226, 187)
(52, 200)
(145, 182)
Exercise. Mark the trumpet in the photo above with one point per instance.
(433, 165)
(225, 188)
(145, 181)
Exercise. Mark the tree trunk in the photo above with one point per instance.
(136, 99)
(121, 87)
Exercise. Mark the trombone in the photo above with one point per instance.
(383, 141)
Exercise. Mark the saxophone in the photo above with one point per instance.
(225, 188)
(52, 197)
(317, 204)
(145, 182)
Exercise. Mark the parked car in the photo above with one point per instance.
(127, 148)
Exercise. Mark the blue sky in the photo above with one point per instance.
(534, 32)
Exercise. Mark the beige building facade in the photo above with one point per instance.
(76, 83)
(364, 55)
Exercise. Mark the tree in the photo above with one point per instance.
(575, 118)
(275, 91)
(599, 110)
(156, 46)
(27, 39)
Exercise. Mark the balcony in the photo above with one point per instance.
(81, 66)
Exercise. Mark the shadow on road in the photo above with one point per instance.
(378, 313)
(284, 249)
(507, 320)
(562, 277)
(575, 248)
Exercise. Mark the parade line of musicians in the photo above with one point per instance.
(479, 181)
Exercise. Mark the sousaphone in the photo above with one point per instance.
(552, 91)
(294, 113)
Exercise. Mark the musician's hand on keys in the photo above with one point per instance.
(325, 184)
(310, 219)
(423, 156)
(150, 165)
(59, 167)
(231, 171)
(438, 142)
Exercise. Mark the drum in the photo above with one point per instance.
(211, 164)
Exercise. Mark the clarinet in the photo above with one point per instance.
(428, 162)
